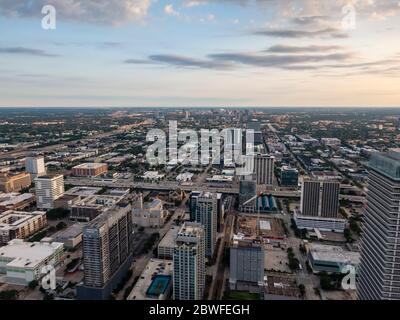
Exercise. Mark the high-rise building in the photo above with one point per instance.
(35, 166)
(319, 206)
(206, 214)
(247, 261)
(192, 204)
(107, 252)
(264, 169)
(289, 177)
(379, 272)
(247, 190)
(48, 189)
(320, 198)
(189, 262)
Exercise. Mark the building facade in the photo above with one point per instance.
(247, 190)
(48, 189)
(247, 261)
(35, 166)
(90, 169)
(319, 207)
(189, 263)
(264, 169)
(14, 183)
(23, 262)
(289, 177)
(206, 214)
(20, 225)
(379, 274)
(107, 252)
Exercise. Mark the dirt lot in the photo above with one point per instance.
(276, 259)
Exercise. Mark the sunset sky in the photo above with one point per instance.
(200, 53)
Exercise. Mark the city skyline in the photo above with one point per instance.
(138, 53)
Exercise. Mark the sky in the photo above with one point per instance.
(188, 53)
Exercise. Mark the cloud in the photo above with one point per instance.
(182, 61)
(289, 33)
(169, 9)
(259, 60)
(254, 59)
(193, 3)
(302, 49)
(112, 12)
(26, 51)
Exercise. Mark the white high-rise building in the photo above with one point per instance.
(264, 169)
(206, 214)
(48, 189)
(189, 263)
(379, 271)
(35, 166)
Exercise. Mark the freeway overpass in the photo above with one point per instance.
(168, 186)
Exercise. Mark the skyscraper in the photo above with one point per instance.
(319, 206)
(206, 214)
(264, 169)
(189, 262)
(379, 272)
(107, 252)
(48, 189)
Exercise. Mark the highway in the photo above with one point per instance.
(170, 185)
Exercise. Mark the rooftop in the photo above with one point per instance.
(334, 253)
(154, 280)
(387, 163)
(169, 238)
(27, 254)
(89, 166)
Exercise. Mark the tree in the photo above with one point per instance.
(325, 281)
(33, 284)
(61, 225)
(302, 289)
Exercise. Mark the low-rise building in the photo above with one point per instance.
(90, 169)
(89, 208)
(14, 183)
(23, 262)
(20, 225)
(331, 259)
(72, 236)
(15, 201)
